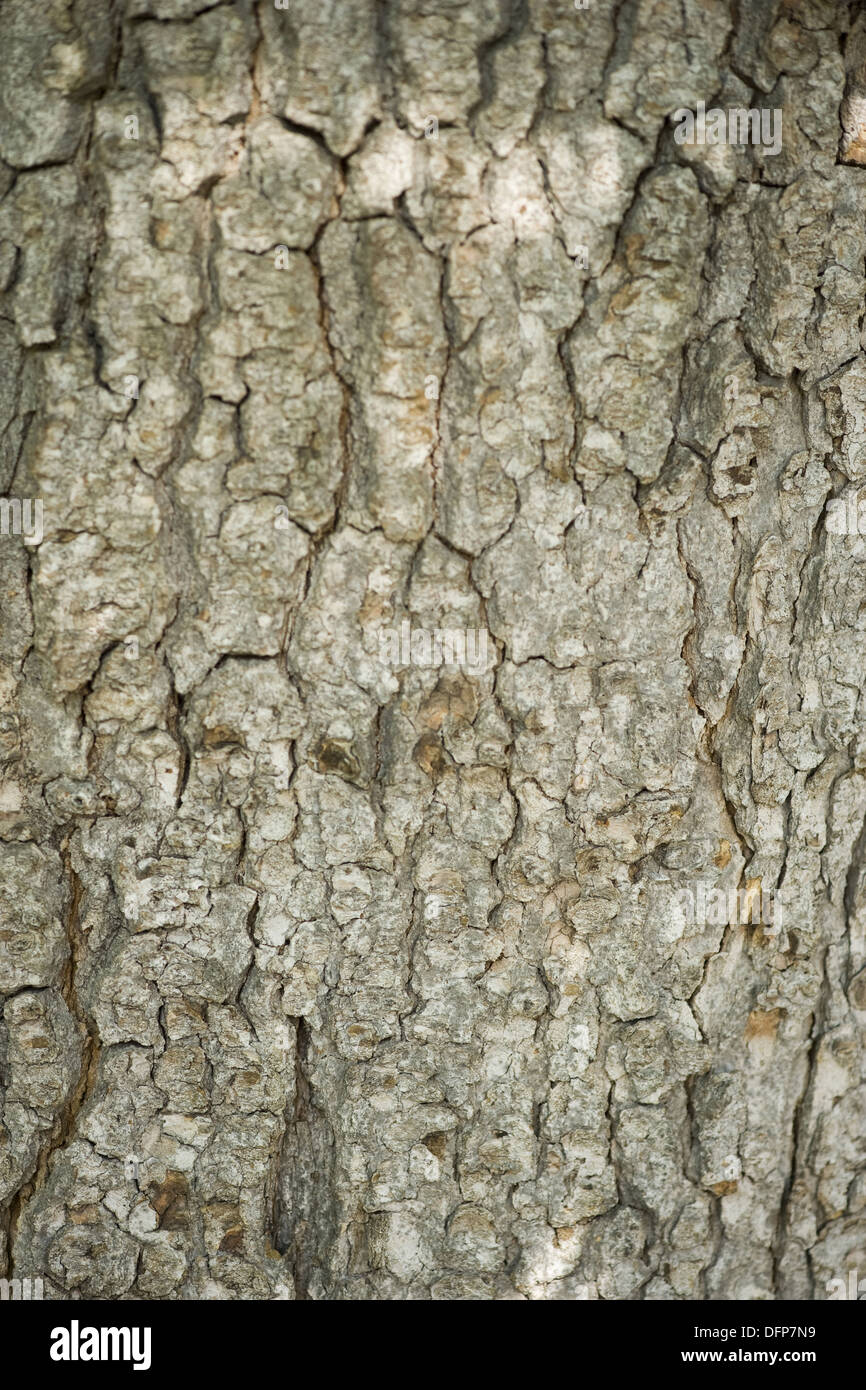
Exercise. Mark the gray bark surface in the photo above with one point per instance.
(326, 978)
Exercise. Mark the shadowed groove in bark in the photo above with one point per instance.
(64, 1124)
(306, 1220)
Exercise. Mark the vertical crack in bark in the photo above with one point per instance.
(306, 1224)
(64, 1124)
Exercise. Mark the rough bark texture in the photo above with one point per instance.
(324, 978)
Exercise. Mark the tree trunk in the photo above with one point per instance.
(434, 790)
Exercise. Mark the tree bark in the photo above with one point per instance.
(341, 340)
